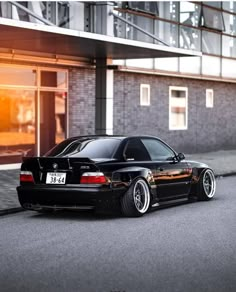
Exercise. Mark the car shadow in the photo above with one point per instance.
(73, 215)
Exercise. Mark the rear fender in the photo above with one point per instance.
(123, 177)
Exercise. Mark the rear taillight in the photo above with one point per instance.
(93, 178)
(26, 176)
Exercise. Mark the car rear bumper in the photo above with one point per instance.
(66, 197)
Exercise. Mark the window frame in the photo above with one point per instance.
(142, 101)
(178, 88)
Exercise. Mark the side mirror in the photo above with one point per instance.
(180, 156)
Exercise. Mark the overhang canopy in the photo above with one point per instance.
(38, 38)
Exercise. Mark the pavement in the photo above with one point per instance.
(223, 163)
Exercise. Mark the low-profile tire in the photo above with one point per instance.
(136, 200)
(207, 185)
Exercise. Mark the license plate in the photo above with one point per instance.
(56, 178)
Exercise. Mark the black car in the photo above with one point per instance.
(131, 174)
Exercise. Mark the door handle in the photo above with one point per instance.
(160, 168)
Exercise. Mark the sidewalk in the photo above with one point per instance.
(222, 162)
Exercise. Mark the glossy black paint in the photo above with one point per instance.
(170, 177)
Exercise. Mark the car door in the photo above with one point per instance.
(172, 177)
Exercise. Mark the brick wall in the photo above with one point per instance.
(208, 128)
(81, 102)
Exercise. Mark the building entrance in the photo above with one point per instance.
(52, 119)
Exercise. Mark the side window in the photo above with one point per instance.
(136, 151)
(158, 150)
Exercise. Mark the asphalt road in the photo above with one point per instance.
(191, 247)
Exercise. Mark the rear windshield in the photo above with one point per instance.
(90, 148)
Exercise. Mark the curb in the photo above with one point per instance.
(11, 211)
(225, 174)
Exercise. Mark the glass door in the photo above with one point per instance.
(52, 109)
(52, 119)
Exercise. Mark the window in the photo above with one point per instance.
(209, 98)
(229, 46)
(32, 117)
(178, 108)
(135, 151)
(211, 43)
(211, 18)
(17, 76)
(145, 94)
(89, 148)
(142, 6)
(158, 150)
(17, 124)
(229, 6)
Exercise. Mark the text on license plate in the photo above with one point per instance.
(56, 178)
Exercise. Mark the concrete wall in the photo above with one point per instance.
(208, 128)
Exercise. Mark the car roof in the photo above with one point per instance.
(120, 137)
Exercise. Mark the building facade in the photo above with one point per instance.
(76, 68)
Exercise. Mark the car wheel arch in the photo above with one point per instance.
(128, 174)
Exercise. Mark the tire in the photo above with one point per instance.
(207, 185)
(136, 201)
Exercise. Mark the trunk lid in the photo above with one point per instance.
(58, 170)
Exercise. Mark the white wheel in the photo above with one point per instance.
(136, 200)
(207, 185)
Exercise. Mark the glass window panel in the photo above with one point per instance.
(60, 115)
(167, 32)
(144, 23)
(142, 6)
(212, 18)
(17, 124)
(230, 23)
(169, 10)
(157, 150)
(52, 119)
(211, 43)
(140, 63)
(76, 15)
(229, 46)
(190, 65)
(190, 38)
(228, 68)
(178, 113)
(5, 9)
(120, 28)
(54, 79)
(229, 6)
(144, 94)
(210, 65)
(189, 13)
(216, 4)
(17, 76)
(167, 64)
(63, 14)
(19, 13)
